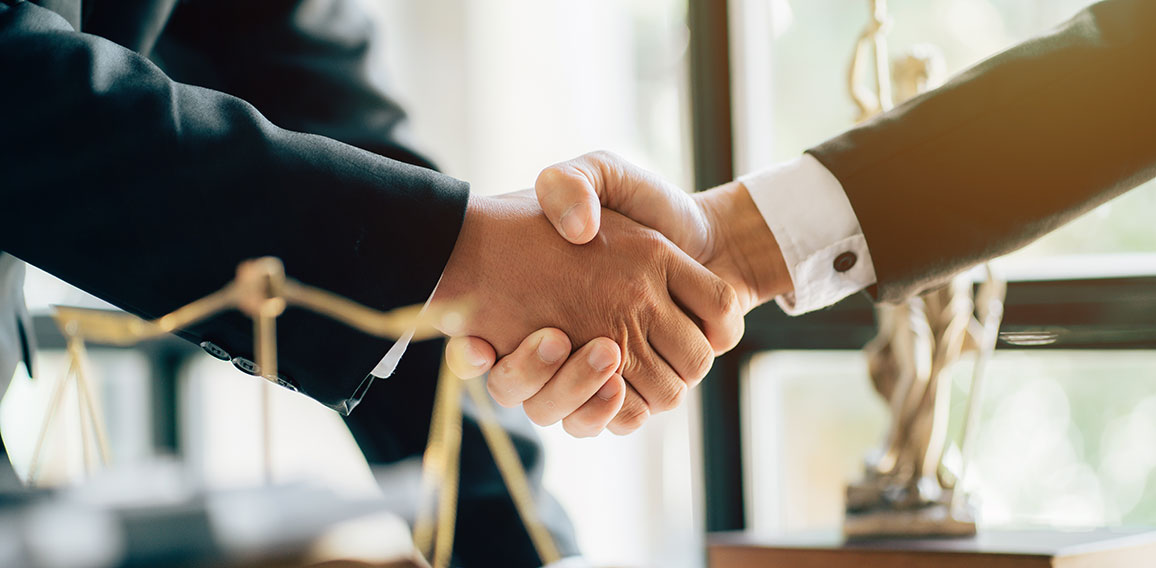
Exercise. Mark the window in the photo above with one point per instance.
(808, 47)
(1066, 436)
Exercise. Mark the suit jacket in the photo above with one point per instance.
(304, 65)
(148, 192)
(1005, 152)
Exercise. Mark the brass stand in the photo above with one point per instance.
(262, 291)
(92, 430)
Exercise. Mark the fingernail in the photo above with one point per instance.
(609, 390)
(550, 350)
(476, 358)
(601, 357)
(572, 224)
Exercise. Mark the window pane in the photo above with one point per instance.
(809, 57)
(1065, 437)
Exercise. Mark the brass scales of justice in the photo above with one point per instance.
(262, 292)
(908, 508)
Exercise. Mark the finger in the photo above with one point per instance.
(633, 414)
(571, 192)
(568, 195)
(469, 357)
(709, 299)
(522, 373)
(575, 383)
(680, 343)
(649, 375)
(593, 416)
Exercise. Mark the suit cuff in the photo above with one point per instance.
(813, 221)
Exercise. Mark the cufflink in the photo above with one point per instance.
(845, 261)
(215, 350)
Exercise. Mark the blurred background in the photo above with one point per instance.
(498, 90)
(1065, 437)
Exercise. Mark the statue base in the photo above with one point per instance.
(876, 509)
(934, 520)
(1102, 548)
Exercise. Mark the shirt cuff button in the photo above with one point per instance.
(845, 261)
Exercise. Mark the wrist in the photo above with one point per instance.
(459, 274)
(741, 238)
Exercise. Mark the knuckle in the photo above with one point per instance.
(604, 156)
(641, 295)
(736, 335)
(654, 243)
(504, 369)
(639, 363)
(670, 399)
(631, 418)
(693, 382)
(700, 366)
(726, 300)
(505, 372)
(727, 325)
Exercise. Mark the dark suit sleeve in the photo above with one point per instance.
(147, 193)
(1007, 151)
(307, 65)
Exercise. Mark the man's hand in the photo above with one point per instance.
(627, 288)
(721, 228)
(541, 359)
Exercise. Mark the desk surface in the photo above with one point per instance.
(1106, 548)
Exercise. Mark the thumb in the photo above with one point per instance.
(469, 357)
(570, 196)
(572, 193)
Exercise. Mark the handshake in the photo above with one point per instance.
(613, 304)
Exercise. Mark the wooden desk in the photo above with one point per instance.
(1101, 548)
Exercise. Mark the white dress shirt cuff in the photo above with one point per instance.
(388, 364)
(823, 246)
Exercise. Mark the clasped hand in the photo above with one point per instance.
(652, 287)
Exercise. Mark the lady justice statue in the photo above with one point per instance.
(906, 489)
